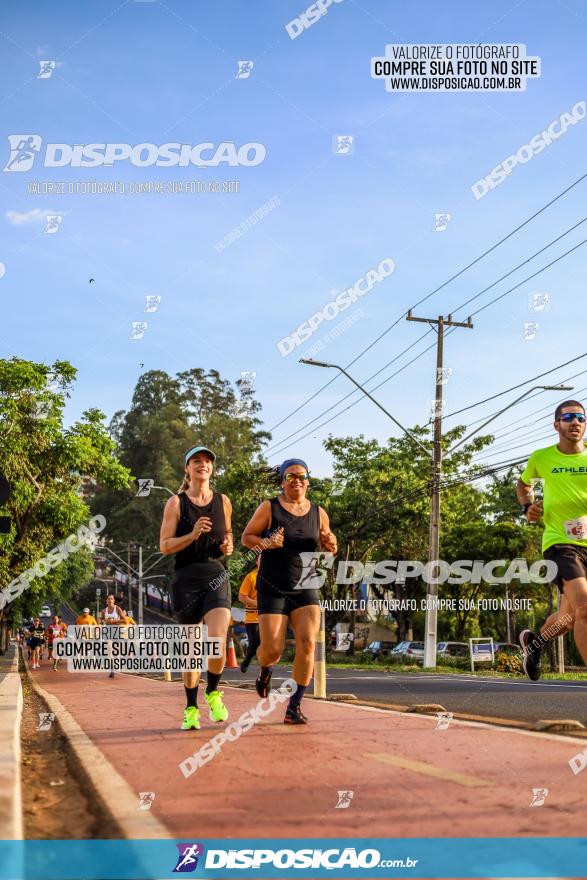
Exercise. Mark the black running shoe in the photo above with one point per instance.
(263, 684)
(244, 666)
(295, 716)
(531, 653)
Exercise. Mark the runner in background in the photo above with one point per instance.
(248, 597)
(86, 619)
(284, 528)
(37, 636)
(112, 615)
(563, 471)
(197, 530)
(55, 630)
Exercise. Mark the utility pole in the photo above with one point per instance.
(129, 591)
(140, 573)
(434, 531)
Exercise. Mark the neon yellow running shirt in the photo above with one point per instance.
(564, 478)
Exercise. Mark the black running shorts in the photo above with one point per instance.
(197, 589)
(272, 601)
(571, 560)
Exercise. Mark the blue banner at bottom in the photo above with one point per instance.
(552, 857)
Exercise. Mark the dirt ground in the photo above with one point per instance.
(56, 805)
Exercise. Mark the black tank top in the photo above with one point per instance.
(207, 546)
(282, 568)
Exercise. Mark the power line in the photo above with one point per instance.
(432, 293)
(277, 446)
(519, 385)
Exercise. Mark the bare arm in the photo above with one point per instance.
(168, 543)
(247, 601)
(525, 495)
(258, 523)
(327, 538)
(227, 545)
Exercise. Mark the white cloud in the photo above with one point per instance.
(20, 218)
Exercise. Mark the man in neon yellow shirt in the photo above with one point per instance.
(563, 471)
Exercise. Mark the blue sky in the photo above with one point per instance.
(139, 72)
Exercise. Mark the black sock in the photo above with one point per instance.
(191, 695)
(266, 671)
(296, 698)
(213, 679)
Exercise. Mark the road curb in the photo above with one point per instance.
(11, 703)
(433, 709)
(114, 794)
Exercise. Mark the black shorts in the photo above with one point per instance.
(37, 643)
(571, 560)
(198, 588)
(273, 601)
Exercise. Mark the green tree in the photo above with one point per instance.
(167, 415)
(381, 504)
(43, 462)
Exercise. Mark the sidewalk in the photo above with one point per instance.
(10, 715)
(408, 779)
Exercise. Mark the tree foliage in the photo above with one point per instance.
(43, 462)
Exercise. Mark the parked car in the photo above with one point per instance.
(452, 649)
(45, 611)
(379, 649)
(409, 649)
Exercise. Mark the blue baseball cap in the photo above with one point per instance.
(288, 463)
(195, 449)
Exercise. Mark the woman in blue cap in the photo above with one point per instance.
(197, 530)
(287, 530)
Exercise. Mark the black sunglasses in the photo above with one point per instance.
(568, 417)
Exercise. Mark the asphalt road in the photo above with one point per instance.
(517, 699)
(521, 700)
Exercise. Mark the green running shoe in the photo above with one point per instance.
(218, 711)
(191, 718)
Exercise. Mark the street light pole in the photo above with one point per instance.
(431, 620)
(140, 584)
(129, 591)
(313, 363)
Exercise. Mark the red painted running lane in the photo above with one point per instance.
(408, 779)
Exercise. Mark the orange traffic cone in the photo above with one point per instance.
(231, 656)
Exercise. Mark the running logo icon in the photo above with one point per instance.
(187, 860)
(145, 487)
(344, 800)
(343, 144)
(312, 577)
(47, 68)
(530, 330)
(247, 380)
(52, 223)
(444, 719)
(539, 795)
(146, 799)
(46, 719)
(138, 329)
(152, 302)
(343, 641)
(23, 151)
(245, 69)
(441, 222)
(538, 302)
